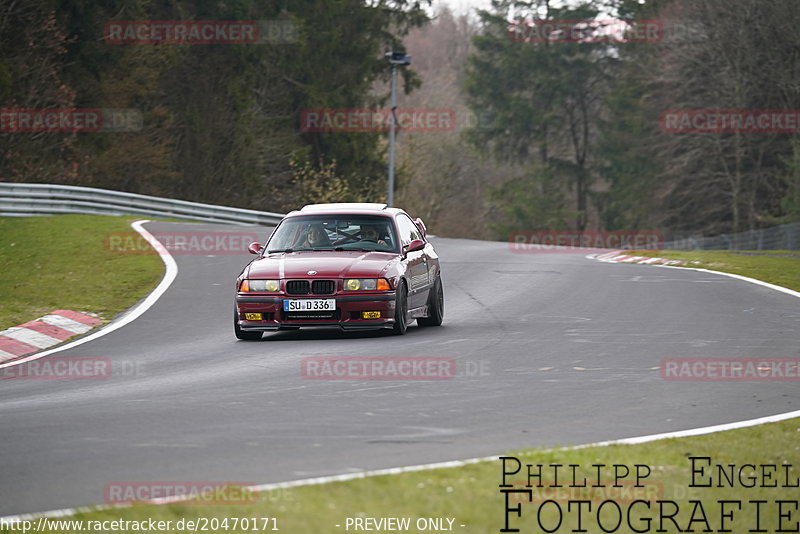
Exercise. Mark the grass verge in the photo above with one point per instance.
(470, 495)
(776, 267)
(55, 262)
(61, 262)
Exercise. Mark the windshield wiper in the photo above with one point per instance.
(342, 249)
(288, 250)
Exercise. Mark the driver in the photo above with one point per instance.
(371, 233)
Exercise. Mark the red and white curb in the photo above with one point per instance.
(172, 272)
(51, 329)
(616, 257)
(126, 317)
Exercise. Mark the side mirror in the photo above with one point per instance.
(254, 248)
(421, 226)
(417, 244)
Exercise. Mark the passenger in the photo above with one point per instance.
(316, 237)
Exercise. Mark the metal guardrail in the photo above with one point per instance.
(26, 200)
(781, 237)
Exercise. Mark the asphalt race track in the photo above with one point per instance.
(553, 348)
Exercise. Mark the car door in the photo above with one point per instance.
(416, 263)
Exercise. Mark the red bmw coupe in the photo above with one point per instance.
(350, 266)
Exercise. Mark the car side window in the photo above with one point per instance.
(408, 230)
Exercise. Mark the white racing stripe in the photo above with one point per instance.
(65, 323)
(30, 337)
(132, 314)
(6, 355)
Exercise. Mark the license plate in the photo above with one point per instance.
(371, 315)
(309, 305)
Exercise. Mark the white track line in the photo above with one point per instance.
(738, 277)
(698, 269)
(440, 465)
(461, 463)
(130, 315)
(423, 467)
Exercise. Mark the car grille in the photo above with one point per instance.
(297, 287)
(323, 287)
(318, 287)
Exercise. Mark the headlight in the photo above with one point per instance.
(366, 284)
(353, 284)
(260, 285)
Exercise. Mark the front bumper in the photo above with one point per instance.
(347, 315)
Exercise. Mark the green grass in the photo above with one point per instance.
(775, 269)
(61, 262)
(55, 262)
(470, 494)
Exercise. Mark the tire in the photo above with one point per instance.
(243, 334)
(435, 306)
(401, 310)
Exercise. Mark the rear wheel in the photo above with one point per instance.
(401, 310)
(243, 334)
(435, 306)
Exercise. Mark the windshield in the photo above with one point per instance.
(334, 232)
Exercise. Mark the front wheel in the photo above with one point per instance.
(401, 310)
(435, 306)
(243, 334)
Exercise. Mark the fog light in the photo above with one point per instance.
(252, 316)
(370, 315)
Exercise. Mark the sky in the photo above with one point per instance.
(469, 6)
(463, 6)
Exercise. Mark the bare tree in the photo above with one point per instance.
(737, 55)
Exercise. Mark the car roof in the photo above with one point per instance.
(361, 208)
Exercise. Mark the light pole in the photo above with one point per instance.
(396, 59)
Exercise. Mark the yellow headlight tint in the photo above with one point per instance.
(352, 284)
(273, 285)
(260, 285)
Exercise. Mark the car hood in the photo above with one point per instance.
(327, 264)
